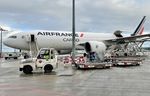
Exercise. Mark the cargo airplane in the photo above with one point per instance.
(62, 40)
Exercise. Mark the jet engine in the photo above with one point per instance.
(97, 47)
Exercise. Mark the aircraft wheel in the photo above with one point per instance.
(48, 68)
(27, 69)
(78, 67)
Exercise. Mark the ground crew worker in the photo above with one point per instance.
(92, 56)
(46, 55)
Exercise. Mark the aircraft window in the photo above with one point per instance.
(44, 54)
(12, 36)
(51, 52)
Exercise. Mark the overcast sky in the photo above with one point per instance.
(91, 15)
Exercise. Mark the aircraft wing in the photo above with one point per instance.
(121, 40)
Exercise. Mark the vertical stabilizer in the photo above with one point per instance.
(140, 28)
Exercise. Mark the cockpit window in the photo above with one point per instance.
(12, 37)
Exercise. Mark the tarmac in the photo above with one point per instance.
(116, 81)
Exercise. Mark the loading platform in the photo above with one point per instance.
(127, 61)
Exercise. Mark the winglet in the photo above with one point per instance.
(140, 28)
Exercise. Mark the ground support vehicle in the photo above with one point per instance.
(10, 55)
(127, 61)
(125, 54)
(46, 60)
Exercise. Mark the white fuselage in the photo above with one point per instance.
(60, 40)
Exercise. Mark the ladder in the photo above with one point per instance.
(33, 46)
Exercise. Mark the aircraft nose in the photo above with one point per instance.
(6, 42)
(9, 42)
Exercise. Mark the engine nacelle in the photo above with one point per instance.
(95, 46)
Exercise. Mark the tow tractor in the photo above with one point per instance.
(46, 61)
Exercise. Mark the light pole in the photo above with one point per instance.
(73, 30)
(1, 43)
(1, 49)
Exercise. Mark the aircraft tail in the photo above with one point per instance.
(140, 28)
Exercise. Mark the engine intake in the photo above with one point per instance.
(88, 47)
(94, 46)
